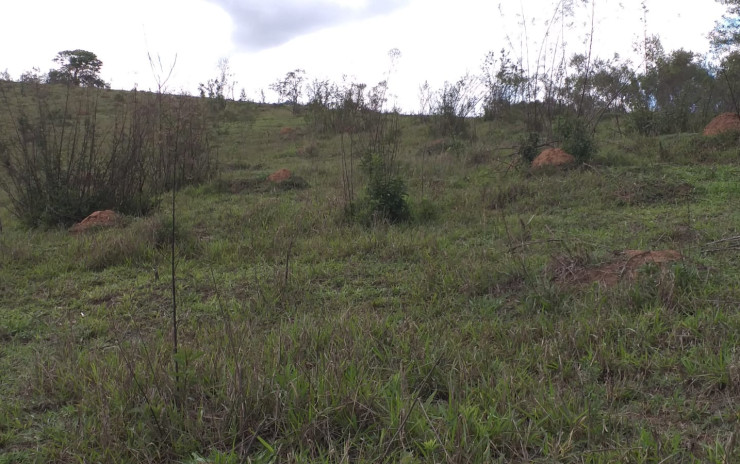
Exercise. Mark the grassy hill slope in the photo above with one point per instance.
(466, 335)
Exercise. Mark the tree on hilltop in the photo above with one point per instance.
(79, 68)
(290, 88)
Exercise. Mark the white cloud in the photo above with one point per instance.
(261, 24)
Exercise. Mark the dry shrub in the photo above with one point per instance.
(65, 159)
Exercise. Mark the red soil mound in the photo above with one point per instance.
(288, 133)
(725, 122)
(98, 219)
(552, 157)
(279, 176)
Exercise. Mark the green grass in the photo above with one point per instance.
(304, 338)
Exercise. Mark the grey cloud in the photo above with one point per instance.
(260, 24)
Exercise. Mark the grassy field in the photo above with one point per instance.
(464, 335)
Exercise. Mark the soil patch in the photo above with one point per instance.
(625, 265)
(288, 133)
(437, 147)
(98, 219)
(280, 175)
(552, 157)
(725, 122)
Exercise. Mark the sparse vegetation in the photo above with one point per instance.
(576, 138)
(62, 161)
(471, 309)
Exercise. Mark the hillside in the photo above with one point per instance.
(516, 316)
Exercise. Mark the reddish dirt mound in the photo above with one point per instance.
(98, 219)
(436, 147)
(624, 266)
(552, 157)
(279, 176)
(288, 133)
(725, 122)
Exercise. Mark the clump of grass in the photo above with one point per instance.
(507, 195)
(648, 191)
(696, 148)
(257, 184)
(141, 242)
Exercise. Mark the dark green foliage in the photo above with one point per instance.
(425, 211)
(78, 68)
(576, 138)
(528, 146)
(675, 93)
(385, 197)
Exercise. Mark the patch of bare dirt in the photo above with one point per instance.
(98, 219)
(624, 266)
(279, 176)
(725, 122)
(288, 133)
(436, 147)
(552, 157)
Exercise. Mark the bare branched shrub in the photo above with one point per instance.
(370, 138)
(323, 101)
(504, 82)
(290, 88)
(64, 160)
(454, 104)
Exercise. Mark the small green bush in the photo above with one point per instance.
(577, 138)
(528, 147)
(385, 197)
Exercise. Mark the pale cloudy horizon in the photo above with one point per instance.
(439, 40)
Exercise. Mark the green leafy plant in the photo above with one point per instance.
(528, 146)
(80, 68)
(386, 198)
(577, 138)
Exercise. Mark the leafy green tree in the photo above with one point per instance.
(290, 88)
(725, 40)
(728, 80)
(79, 68)
(674, 93)
(504, 80)
(726, 33)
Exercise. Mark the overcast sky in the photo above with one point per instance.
(263, 39)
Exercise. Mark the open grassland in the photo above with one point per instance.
(456, 337)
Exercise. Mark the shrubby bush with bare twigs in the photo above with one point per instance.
(64, 158)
